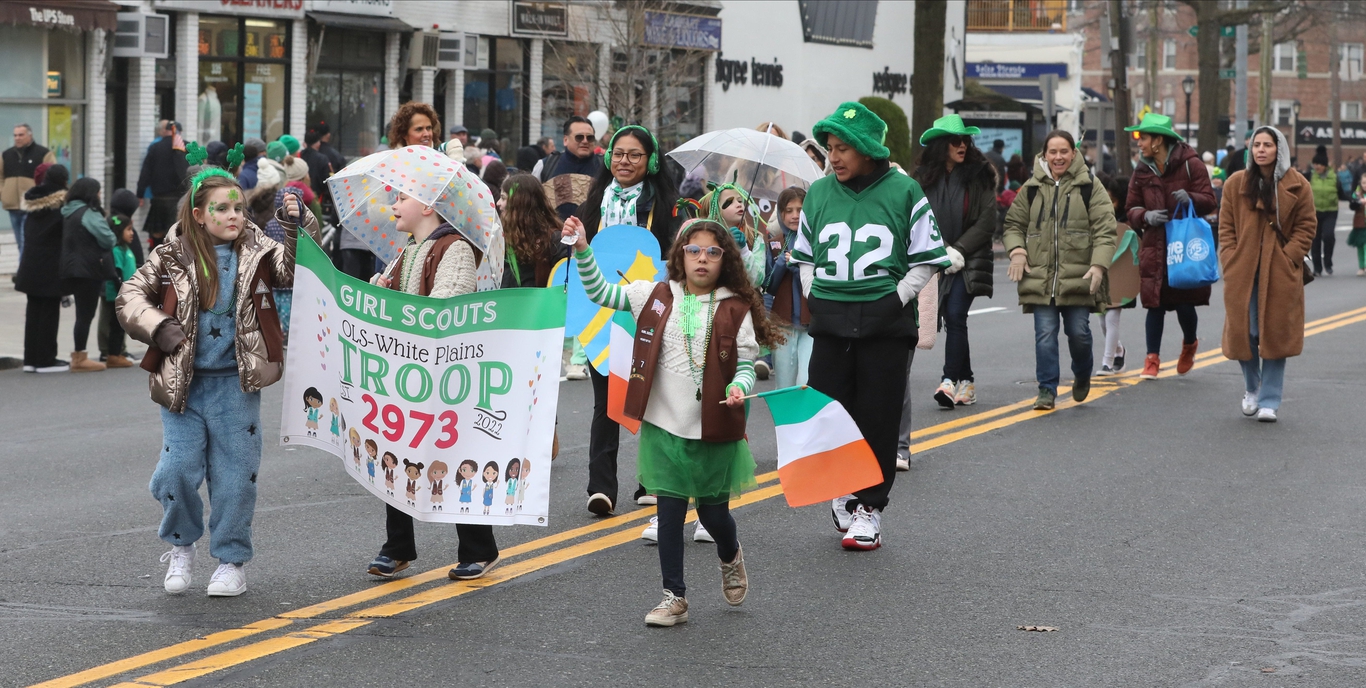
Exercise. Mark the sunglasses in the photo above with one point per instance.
(956, 140)
(713, 252)
(583, 138)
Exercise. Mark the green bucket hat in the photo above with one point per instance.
(857, 126)
(1154, 123)
(948, 125)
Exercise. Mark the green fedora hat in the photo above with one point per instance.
(1154, 123)
(948, 126)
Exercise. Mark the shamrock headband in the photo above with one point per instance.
(653, 166)
(235, 156)
(195, 154)
(205, 174)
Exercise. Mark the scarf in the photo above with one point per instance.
(619, 204)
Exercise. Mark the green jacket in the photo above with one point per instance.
(126, 265)
(1325, 188)
(1062, 236)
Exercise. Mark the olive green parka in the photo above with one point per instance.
(1062, 236)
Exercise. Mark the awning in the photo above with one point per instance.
(1094, 94)
(360, 21)
(72, 15)
(1030, 94)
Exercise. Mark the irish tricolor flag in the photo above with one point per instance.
(821, 453)
(620, 346)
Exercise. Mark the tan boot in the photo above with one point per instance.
(118, 361)
(80, 363)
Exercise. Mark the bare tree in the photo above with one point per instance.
(927, 86)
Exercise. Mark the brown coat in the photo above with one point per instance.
(1250, 251)
(1149, 191)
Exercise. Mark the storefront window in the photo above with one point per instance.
(49, 65)
(496, 98)
(680, 98)
(243, 74)
(569, 86)
(345, 92)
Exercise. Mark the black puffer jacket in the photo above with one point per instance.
(42, 242)
(973, 237)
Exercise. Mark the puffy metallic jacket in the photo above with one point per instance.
(138, 306)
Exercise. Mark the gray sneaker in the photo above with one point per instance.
(673, 610)
(734, 579)
(1045, 400)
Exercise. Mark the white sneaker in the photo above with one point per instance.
(841, 515)
(761, 369)
(1249, 403)
(576, 372)
(228, 581)
(1266, 415)
(178, 573)
(902, 463)
(701, 534)
(865, 530)
(651, 531)
(647, 500)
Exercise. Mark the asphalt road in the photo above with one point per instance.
(1171, 541)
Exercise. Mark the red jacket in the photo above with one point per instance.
(1148, 191)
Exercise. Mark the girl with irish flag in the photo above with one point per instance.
(697, 335)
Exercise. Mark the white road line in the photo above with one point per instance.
(993, 309)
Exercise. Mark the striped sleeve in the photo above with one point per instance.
(924, 245)
(599, 290)
(801, 249)
(747, 349)
(744, 377)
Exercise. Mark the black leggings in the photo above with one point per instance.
(1157, 318)
(715, 518)
(87, 296)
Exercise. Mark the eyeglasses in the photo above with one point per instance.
(633, 156)
(582, 138)
(695, 251)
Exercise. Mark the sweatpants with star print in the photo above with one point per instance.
(217, 438)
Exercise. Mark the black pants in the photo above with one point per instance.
(42, 317)
(604, 438)
(476, 542)
(358, 263)
(87, 296)
(715, 518)
(161, 214)
(1324, 241)
(1157, 319)
(112, 340)
(866, 376)
(957, 354)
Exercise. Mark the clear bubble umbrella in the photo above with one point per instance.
(365, 192)
(757, 161)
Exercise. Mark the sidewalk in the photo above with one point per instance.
(12, 305)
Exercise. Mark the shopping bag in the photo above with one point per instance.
(1191, 259)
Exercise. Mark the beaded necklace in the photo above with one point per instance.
(688, 314)
(406, 277)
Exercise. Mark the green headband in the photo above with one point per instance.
(714, 211)
(205, 174)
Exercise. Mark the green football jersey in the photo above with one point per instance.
(862, 245)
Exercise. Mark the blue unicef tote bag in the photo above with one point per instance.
(1191, 259)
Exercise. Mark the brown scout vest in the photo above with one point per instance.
(432, 262)
(720, 423)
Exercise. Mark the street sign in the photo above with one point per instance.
(1228, 73)
(1225, 31)
(1193, 31)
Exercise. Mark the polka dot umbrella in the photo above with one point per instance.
(365, 192)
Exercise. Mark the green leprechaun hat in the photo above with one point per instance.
(857, 126)
(948, 125)
(1154, 123)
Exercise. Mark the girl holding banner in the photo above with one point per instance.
(697, 336)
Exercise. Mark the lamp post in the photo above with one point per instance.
(1188, 85)
(1295, 128)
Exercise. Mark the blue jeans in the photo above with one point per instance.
(957, 355)
(1264, 377)
(16, 221)
(218, 437)
(792, 358)
(1076, 322)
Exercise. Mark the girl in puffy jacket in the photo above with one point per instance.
(203, 303)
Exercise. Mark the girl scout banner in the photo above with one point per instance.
(443, 408)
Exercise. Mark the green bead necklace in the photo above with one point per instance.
(688, 313)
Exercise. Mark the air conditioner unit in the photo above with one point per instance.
(424, 50)
(449, 54)
(142, 35)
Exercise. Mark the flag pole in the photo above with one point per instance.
(770, 392)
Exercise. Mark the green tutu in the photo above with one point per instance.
(710, 472)
(1357, 237)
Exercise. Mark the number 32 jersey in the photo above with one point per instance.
(862, 244)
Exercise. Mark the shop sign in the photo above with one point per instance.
(1321, 131)
(740, 71)
(54, 84)
(687, 31)
(292, 9)
(1022, 70)
(890, 82)
(540, 19)
(373, 8)
(49, 17)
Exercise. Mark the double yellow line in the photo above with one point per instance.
(623, 527)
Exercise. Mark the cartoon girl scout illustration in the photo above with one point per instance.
(514, 470)
(490, 480)
(336, 420)
(413, 471)
(523, 472)
(355, 446)
(465, 474)
(390, 463)
(313, 400)
(436, 475)
(371, 455)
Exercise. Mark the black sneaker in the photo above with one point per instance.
(1118, 365)
(385, 567)
(471, 570)
(56, 366)
(1081, 388)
